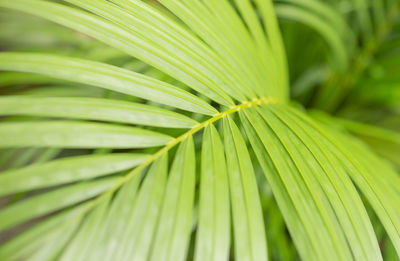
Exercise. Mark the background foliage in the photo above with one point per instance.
(199, 129)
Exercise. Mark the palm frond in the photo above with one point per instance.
(102, 149)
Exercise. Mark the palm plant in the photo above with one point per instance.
(187, 129)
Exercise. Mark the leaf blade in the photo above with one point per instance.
(173, 232)
(94, 109)
(250, 240)
(51, 201)
(64, 171)
(104, 76)
(70, 134)
(213, 234)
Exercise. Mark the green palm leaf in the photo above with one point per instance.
(71, 134)
(101, 75)
(213, 236)
(175, 137)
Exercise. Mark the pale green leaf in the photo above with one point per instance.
(219, 25)
(104, 225)
(300, 232)
(173, 232)
(71, 134)
(137, 238)
(213, 233)
(337, 186)
(93, 109)
(120, 37)
(51, 201)
(313, 218)
(248, 223)
(375, 179)
(167, 43)
(66, 170)
(34, 238)
(81, 243)
(104, 76)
